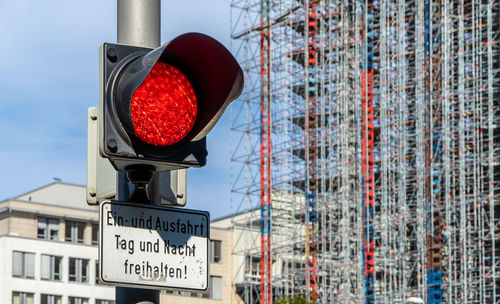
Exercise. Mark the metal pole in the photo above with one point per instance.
(139, 22)
(139, 25)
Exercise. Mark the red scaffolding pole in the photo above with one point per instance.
(367, 162)
(265, 158)
(312, 153)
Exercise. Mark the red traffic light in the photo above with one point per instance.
(163, 108)
(159, 105)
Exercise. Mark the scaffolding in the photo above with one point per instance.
(365, 159)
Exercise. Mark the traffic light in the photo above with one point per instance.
(158, 105)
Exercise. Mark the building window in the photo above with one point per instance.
(97, 301)
(51, 267)
(215, 251)
(252, 266)
(23, 264)
(50, 299)
(216, 288)
(78, 270)
(74, 231)
(48, 228)
(96, 272)
(181, 293)
(77, 300)
(196, 294)
(95, 234)
(22, 298)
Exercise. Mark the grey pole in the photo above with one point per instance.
(139, 25)
(139, 22)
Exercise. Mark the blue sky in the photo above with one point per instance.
(49, 77)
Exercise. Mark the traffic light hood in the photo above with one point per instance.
(215, 75)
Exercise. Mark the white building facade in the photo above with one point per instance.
(49, 253)
(48, 248)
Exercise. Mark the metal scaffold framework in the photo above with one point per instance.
(366, 151)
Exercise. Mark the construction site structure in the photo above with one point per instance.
(366, 150)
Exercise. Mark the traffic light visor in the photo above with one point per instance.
(178, 91)
(215, 74)
(159, 104)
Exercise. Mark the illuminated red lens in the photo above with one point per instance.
(164, 107)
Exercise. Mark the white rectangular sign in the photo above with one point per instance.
(153, 246)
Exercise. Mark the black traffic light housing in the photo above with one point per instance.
(215, 76)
